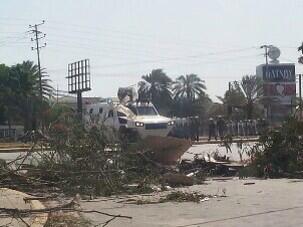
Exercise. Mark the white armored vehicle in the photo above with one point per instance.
(138, 117)
(127, 115)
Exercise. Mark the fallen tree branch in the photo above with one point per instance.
(68, 207)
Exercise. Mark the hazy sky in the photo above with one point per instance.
(124, 39)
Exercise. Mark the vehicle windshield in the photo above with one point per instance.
(146, 110)
(143, 110)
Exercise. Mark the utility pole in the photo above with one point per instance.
(266, 47)
(229, 107)
(37, 36)
(300, 90)
(57, 95)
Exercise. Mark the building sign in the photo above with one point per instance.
(279, 82)
(279, 73)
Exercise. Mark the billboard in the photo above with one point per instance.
(79, 76)
(279, 82)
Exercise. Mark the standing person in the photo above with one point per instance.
(186, 128)
(211, 129)
(249, 127)
(192, 122)
(196, 128)
(241, 128)
(234, 128)
(255, 128)
(245, 127)
(221, 127)
(191, 130)
(228, 126)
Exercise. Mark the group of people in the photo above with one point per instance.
(192, 127)
(247, 127)
(188, 128)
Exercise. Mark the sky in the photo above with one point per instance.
(219, 40)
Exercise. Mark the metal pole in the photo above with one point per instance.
(267, 106)
(57, 95)
(39, 67)
(300, 90)
(79, 104)
(266, 54)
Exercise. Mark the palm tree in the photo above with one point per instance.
(189, 94)
(156, 87)
(250, 86)
(26, 77)
(25, 82)
(189, 87)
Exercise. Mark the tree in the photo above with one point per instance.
(189, 95)
(233, 99)
(26, 75)
(8, 109)
(23, 83)
(189, 87)
(156, 86)
(250, 86)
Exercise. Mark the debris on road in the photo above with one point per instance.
(249, 183)
(177, 179)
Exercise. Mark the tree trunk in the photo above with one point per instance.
(249, 110)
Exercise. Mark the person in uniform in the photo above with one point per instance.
(211, 129)
(221, 127)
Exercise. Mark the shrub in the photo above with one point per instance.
(280, 150)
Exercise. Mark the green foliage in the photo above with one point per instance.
(156, 86)
(6, 94)
(216, 109)
(251, 88)
(189, 86)
(20, 93)
(184, 97)
(189, 96)
(279, 151)
(179, 196)
(243, 98)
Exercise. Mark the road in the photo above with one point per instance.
(199, 149)
(275, 202)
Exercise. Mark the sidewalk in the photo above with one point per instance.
(11, 199)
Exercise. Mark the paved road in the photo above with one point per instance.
(276, 203)
(201, 149)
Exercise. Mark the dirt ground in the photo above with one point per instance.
(274, 202)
